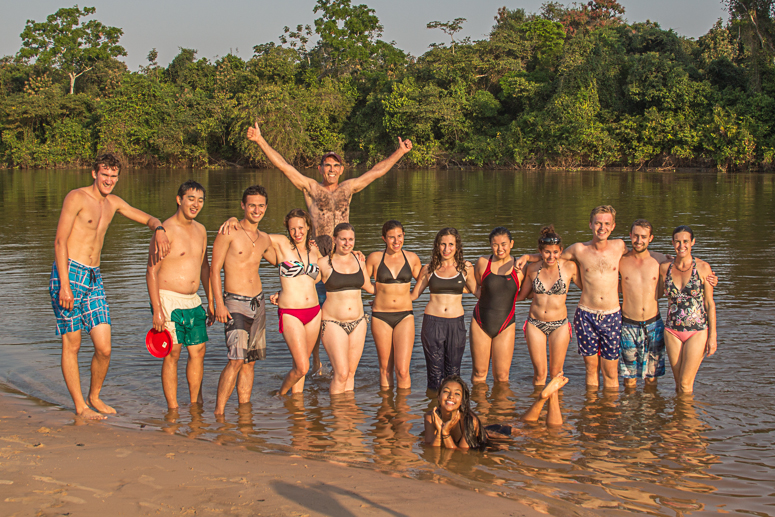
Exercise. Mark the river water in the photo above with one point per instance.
(636, 451)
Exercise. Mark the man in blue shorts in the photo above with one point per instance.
(78, 298)
(598, 318)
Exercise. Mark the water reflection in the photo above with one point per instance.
(637, 450)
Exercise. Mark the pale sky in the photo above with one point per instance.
(216, 28)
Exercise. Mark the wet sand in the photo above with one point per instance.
(53, 464)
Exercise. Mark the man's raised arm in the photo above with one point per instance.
(299, 180)
(379, 170)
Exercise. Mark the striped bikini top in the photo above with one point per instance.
(294, 268)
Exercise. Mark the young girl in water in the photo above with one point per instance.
(453, 425)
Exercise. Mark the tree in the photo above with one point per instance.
(63, 41)
(448, 28)
(347, 33)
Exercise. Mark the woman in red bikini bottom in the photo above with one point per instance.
(299, 311)
(690, 326)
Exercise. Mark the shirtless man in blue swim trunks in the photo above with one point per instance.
(173, 284)
(78, 298)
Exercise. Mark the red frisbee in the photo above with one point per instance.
(159, 344)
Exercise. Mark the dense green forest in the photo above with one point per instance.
(571, 86)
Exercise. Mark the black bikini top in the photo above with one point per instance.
(345, 281)
(384, 276)
(441, 285)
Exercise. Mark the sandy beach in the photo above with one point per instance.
(52, 464)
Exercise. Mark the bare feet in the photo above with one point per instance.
(554, 385)
(89, 414)
(101, 406)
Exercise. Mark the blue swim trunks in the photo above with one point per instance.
(598, 332)
(320, 288)
(643, 348)
(90, 307)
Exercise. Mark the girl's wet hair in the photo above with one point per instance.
(339, 228)
(473, 430)
(301, 214)
(500, 230)
(436, 253)
(391, 225)
(683, 228)
(549, 237)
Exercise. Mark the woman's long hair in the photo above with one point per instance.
(435, 263)
(337, 230)
(301, 214)
(473, 430)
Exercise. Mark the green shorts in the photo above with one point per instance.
(184, 317)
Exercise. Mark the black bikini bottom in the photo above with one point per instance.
(391, 318)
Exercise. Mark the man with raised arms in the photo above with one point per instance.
(241, 307)
(173, 284)
(643, 342)
(78, 298)
(328, 201)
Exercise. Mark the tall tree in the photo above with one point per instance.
(65, 42)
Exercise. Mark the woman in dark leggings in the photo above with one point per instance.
(493, 325)
(443, 331)
(392, 323)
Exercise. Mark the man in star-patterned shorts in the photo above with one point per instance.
(598, 318)
(598, 332)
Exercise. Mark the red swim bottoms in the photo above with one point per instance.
(303, 315)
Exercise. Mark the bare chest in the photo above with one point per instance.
(639, 273)
(95, 217)
(600, 264)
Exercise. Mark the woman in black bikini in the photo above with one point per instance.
(493, 325)
(392, 323)
(443, 331)
(344, 325)
(547, 322)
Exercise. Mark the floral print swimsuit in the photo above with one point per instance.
(686, 308)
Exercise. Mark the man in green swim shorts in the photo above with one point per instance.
(173, 284)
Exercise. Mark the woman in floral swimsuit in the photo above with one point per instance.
(690, 328)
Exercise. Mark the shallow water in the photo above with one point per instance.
(639, 451)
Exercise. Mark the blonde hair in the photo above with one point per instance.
(603, 209)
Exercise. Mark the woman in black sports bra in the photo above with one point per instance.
(547, 322)
(493, 325)
(392, 323)
(344, 325)
(443, 332)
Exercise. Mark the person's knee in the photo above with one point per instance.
(342, 376)
(196, 352)
(302, 367)
(631, 383)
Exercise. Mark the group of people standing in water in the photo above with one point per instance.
(322, 277)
